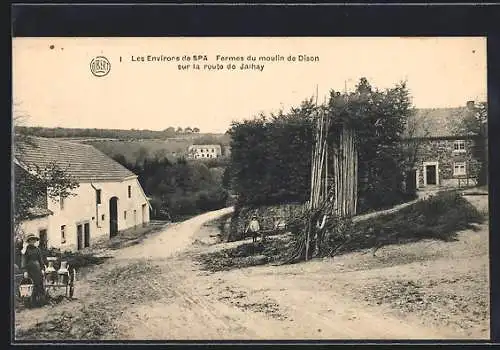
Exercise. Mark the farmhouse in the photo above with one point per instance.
(109, 198)
(204, 151)
(446, 157)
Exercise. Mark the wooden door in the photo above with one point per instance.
(86, 231)
(431, 174)
(113, 216)
(144, 208)
(79, 236)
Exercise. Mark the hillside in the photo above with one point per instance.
(133, 144)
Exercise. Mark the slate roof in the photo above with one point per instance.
(204, 146)
(37, 212)
(438, 122)
(83, 162)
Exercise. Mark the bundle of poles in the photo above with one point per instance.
(319, 175)
(345, 169)
(326, 202)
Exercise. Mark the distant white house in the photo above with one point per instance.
(109, 198)
(204, 151)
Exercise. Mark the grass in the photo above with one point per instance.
(172, 149)
(245, 255)
(439, 217)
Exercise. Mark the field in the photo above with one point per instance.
(171, 148)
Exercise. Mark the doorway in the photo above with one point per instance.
(86, 235)
(431, 173)
(79, 237)
(113, 216)
(144, 215)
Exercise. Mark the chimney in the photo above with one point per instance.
(470, 105)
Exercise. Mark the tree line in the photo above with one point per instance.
(106, 133)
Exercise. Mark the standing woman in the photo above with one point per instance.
(33, 265)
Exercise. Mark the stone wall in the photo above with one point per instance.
(267, 216)
(442, 151)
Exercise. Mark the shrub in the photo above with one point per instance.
(438, 217)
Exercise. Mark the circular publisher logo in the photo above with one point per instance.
(100, 66)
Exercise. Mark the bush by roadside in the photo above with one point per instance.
(439, 217)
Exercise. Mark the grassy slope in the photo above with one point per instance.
(171, 148)
(130, 149)
(437, 218)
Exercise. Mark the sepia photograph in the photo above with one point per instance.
(250, 188)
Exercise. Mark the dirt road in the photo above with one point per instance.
(156, 291)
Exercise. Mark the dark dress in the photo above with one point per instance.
(18, 253)
(33, 263)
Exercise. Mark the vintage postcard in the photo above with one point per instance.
(250, 188)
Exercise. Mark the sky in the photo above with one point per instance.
(54, 87)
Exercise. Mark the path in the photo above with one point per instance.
(155, 290)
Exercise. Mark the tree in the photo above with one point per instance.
(196, 130)
(413, 137)
(280, 147)
(170, 131)
(379, 118)
(180, 130)
(475, 124)
(34, 185)
(188, 130)
(120, 158)
(141, 155)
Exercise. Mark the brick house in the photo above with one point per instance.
(444, 156)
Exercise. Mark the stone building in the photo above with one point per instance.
(447, 157)
(204, 151)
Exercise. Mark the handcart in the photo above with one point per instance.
(59, 275)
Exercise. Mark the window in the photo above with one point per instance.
(98, 196)
(63, 234)
(125, 215)
(459, 168)
(213, 150)
(459, 146)
(61, 202)
(102, 217)
(129, 191)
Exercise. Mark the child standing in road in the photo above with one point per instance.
(254, 228)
